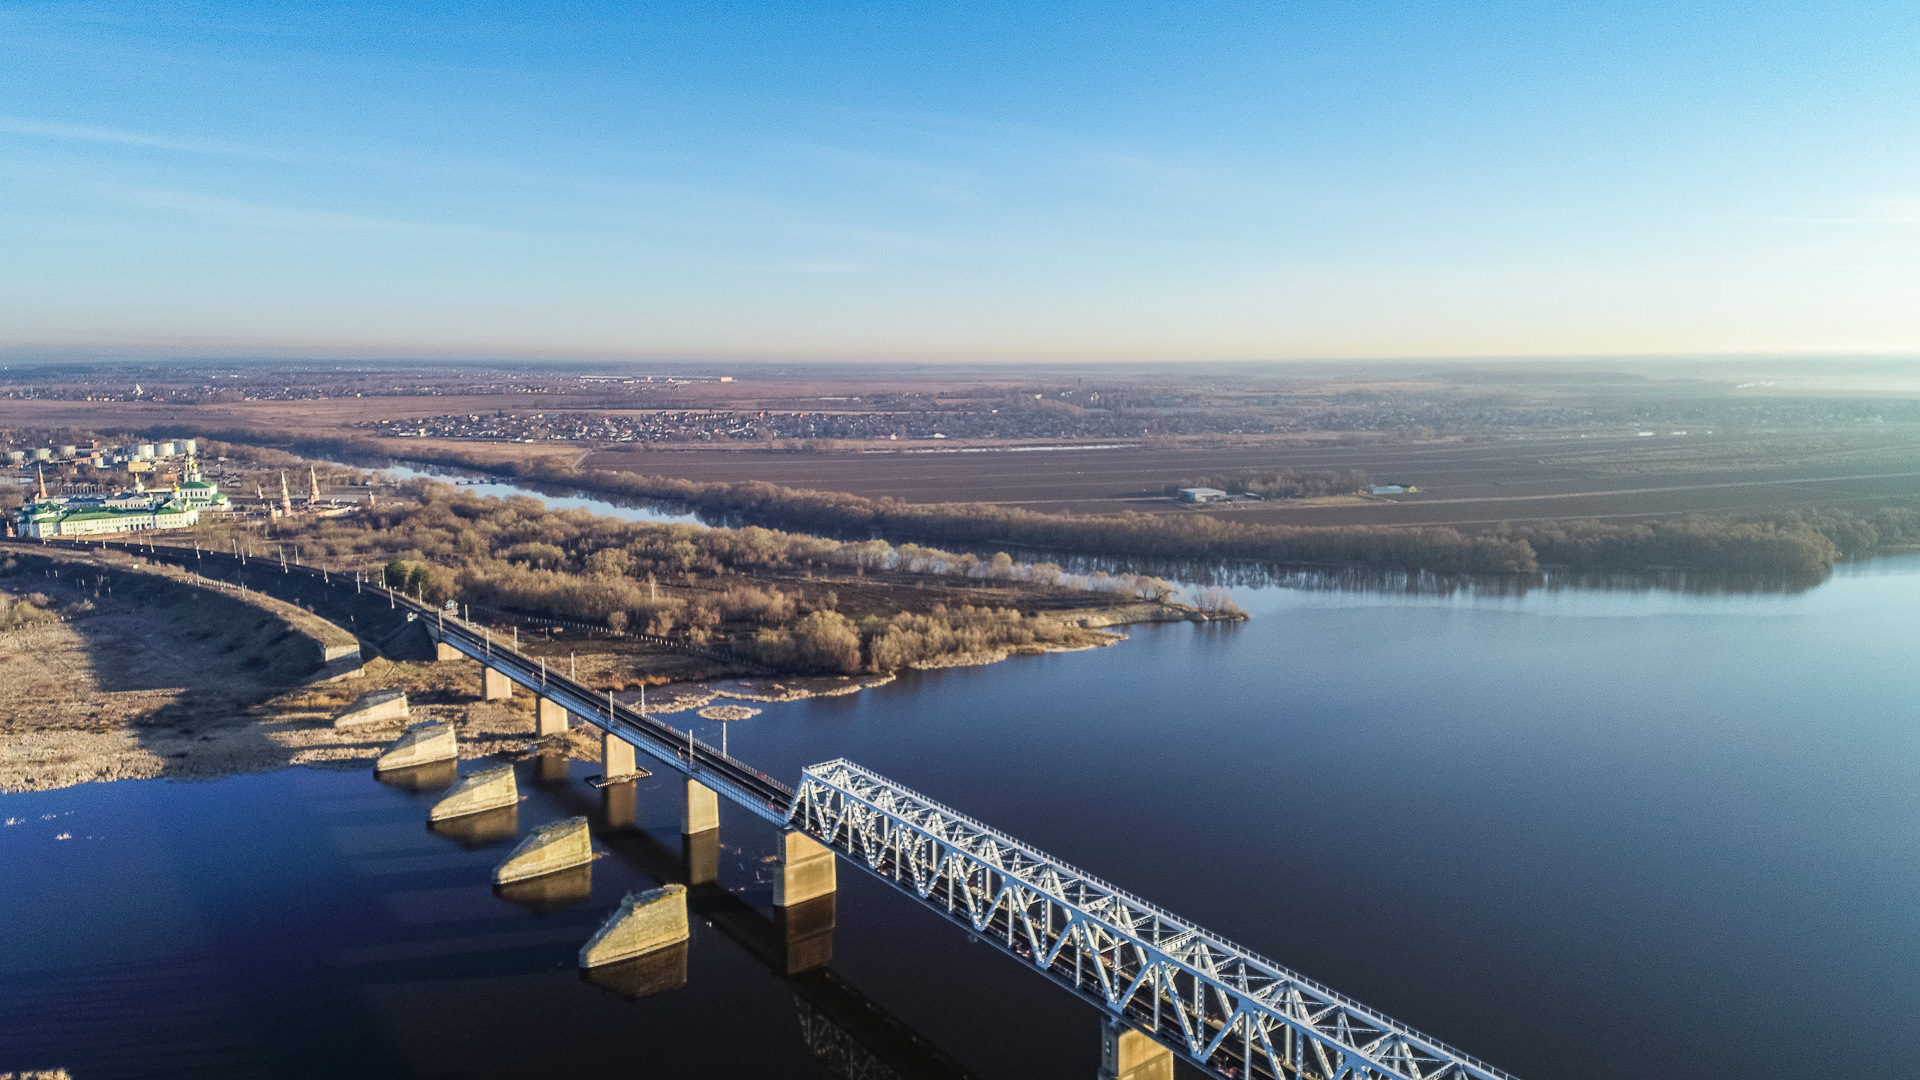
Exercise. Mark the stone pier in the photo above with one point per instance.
(651, 973)
(1126, 1054)
(548, 849)
(421, 746)
(488, 789)
(806, 870)
(549, 717)
(373, 707)
(484, 829)
(550, 892)
(703, 810)
(444, 651)
(644, 922)
(495, 685)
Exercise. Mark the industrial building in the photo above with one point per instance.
(1202, 495)
(102, 457)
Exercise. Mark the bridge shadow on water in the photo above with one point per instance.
(846, 1031)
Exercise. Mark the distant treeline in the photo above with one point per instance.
(1799, 543)
(1796, 543)
(1282, 483)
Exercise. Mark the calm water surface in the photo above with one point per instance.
(1575, 833)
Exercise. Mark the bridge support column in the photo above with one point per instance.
(494, 685)
(444, 651)
(1126, 1054)
(703, 810)
(806, 870)
(616, 757)
(550, 718)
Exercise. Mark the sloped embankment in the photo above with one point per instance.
(115, 668)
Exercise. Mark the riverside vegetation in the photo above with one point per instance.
(1799, 543)
(789, 601)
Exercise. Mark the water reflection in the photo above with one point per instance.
(656, 972)
(853, 1037)
(431, 777)
(551, 768)
(620, 805)
(700, 857)
(557, 496)
(550, 892)
(485, 829)
(805, 931)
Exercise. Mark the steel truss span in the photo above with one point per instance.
(1218, 1005)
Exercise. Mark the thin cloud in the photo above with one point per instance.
(288, 218)
(50, 129)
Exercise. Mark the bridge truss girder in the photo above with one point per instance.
(1218, 1005)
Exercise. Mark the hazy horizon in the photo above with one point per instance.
(1006, 183)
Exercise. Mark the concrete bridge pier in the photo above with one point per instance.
(549, 717)
(616, 757)
(806, 870)
(444, 651)
(1126, 1054)
(495, 685)
(703, 810)
(700, 834)
(803, 901)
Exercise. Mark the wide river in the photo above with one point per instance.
(1575, 833)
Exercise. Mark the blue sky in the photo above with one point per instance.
(1152, 181)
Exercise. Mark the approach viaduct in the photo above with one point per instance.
(1165, 986)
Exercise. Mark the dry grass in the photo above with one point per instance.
(135, 684)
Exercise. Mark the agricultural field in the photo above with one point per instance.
(1460, 482)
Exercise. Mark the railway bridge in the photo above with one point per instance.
(1166, 988)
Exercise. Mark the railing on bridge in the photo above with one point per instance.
(1223, 1007)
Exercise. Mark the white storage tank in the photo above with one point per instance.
(42, 454)
(189, 447)
(69, 451)
(17, 457)
(145, 450)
